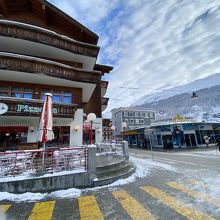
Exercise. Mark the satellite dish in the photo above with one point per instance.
(3, 108)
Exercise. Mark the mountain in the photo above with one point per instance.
(206, 106)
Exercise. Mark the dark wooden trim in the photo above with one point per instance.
(38, 67)
(22, 31)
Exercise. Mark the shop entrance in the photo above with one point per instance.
(167, 142)
(190, 140)
(61, 137)
(11, 137)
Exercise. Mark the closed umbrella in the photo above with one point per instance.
(45, 131)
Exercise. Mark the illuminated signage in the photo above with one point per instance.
(32, 109)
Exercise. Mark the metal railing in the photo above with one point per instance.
(110, 148)
(39, 162)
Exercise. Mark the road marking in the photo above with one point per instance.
(197, 195)
(198, 182)
(89, 209)
(134, 208)
(42, 211)
(176, 205)
(4, 208)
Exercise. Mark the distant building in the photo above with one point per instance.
(134, 117)
(107, 131)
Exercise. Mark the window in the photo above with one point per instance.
(43, 94)
(125, 114)
(136, 114)
(141, 121)
(4, 91)
(142, 114)
(27, 93)
(131, 121)
(131, 114)
(56, 96)
(137, 121)
(67, 97)
(16, 92)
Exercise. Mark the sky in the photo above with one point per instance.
(152, 44)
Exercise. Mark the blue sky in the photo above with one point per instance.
(152, 44)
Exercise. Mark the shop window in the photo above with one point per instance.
(4, 91)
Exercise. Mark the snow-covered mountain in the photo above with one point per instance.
(178, 100)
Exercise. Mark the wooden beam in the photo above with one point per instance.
(4, 8)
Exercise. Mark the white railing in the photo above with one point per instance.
(38, 162)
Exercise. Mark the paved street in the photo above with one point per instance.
(177, 185)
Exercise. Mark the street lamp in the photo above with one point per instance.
(113, 131)
(91, 117)
(124, 125)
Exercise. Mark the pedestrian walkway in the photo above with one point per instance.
(167, 196)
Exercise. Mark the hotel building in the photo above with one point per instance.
(44, 50)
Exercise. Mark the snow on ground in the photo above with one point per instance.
(143, 168)
(209, 153)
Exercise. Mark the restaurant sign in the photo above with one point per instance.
(32, 109)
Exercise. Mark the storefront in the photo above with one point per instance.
(184, 134)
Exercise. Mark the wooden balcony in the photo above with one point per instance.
(43, 36)
(19, 63)
(32, 107)
(104, 84)
(104, 101)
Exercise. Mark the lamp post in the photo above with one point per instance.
(91, 117)
(113, 131)
(124, 125)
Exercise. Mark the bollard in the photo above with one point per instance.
(125, 149)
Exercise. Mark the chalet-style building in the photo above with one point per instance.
(44, 50)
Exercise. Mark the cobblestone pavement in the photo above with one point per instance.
(187, 193)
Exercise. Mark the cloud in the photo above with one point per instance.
(151, 44)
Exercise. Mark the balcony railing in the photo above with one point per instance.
(104, 84)
(20, 63)
(104, 101)
(44, 36)
(33, 107)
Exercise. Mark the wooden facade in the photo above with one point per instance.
(44, 50)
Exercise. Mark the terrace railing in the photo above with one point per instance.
(39, 162)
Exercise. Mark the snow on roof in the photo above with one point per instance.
(37, 28)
